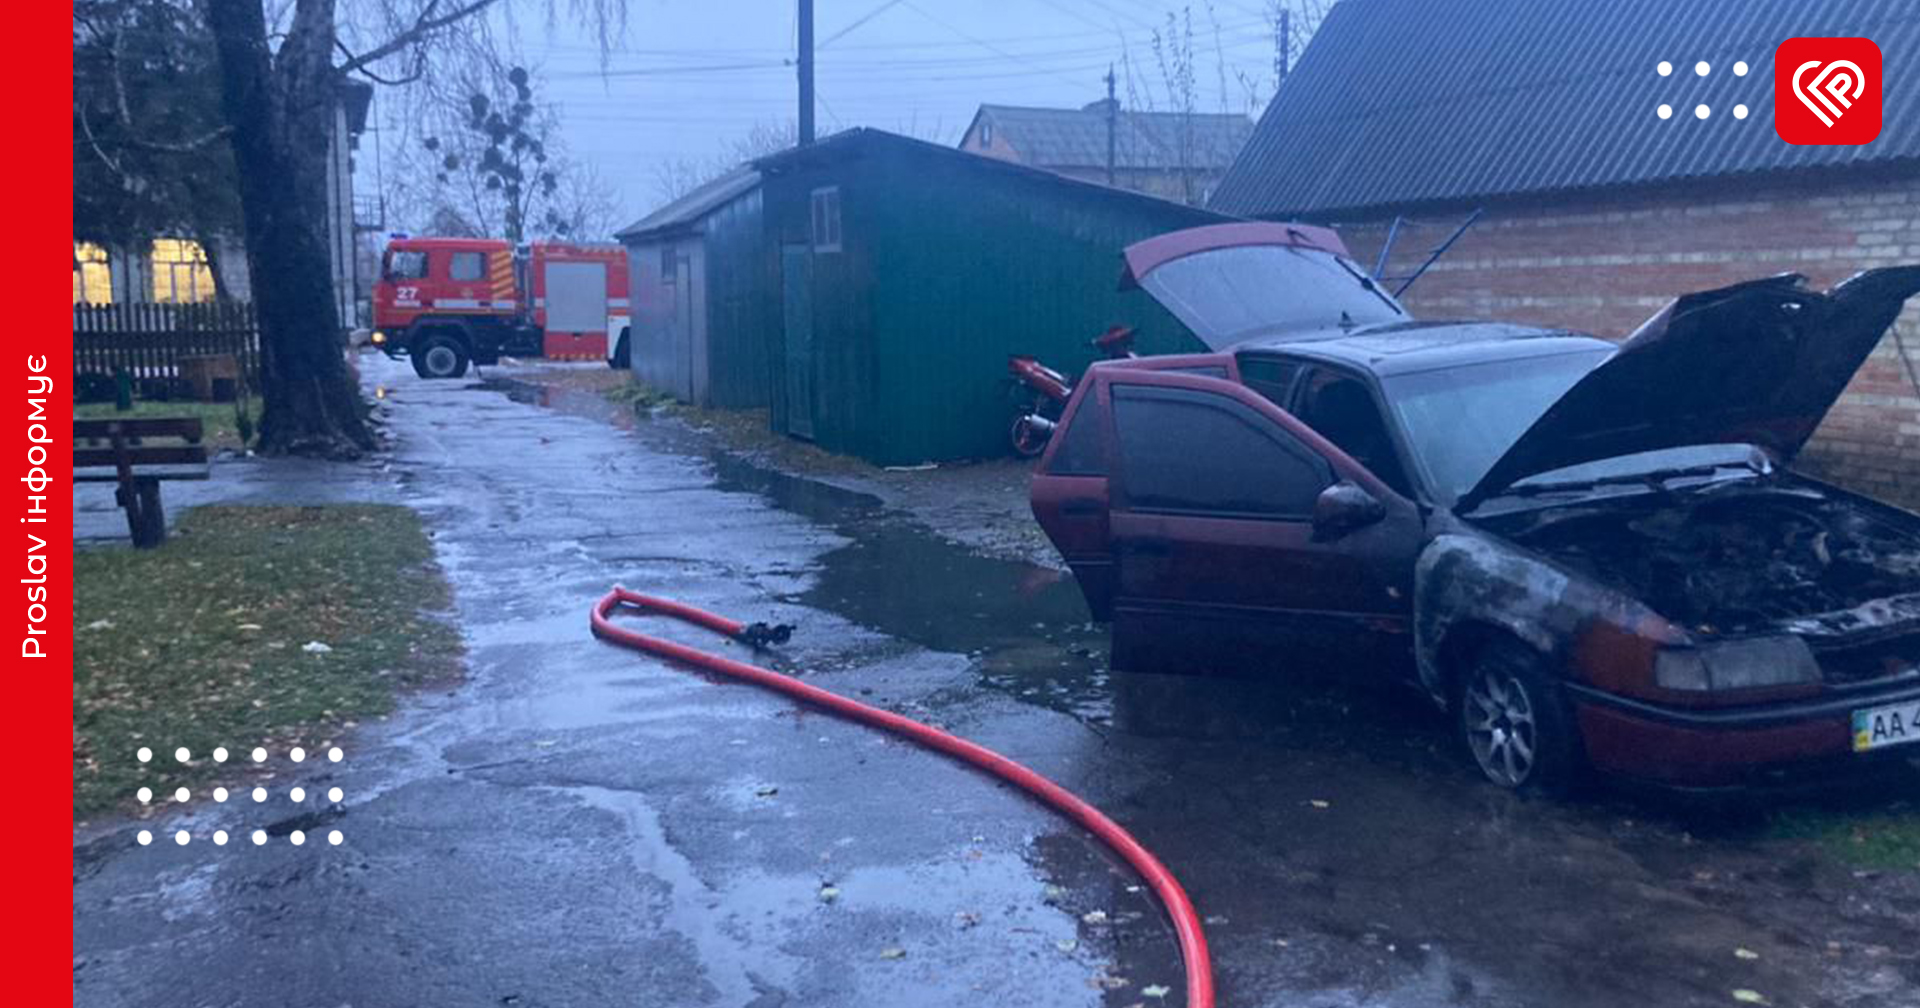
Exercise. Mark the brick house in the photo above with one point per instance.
(1173, 155)
(1596, 210)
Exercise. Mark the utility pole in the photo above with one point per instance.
(806, 71)
(1113, 115)
(1282, 44)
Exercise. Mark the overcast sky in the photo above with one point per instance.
(693, 74)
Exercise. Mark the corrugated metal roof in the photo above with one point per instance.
(1402, 102)
(688, 210)
(849, 142)
(1077, 138)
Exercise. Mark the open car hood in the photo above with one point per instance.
(1756, 363)
(1229, 283)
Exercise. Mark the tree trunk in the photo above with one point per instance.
(281, 107)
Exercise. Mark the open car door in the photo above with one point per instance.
(1235, 530)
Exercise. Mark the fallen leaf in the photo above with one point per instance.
(1745, 996)
(1156, 990)
(100, 624)
(1066, 945)
(1094, 917)
(1320, 803)
(1742, 953)
(893, 953)
(829, 893)
(315, 647)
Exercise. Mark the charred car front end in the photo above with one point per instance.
(1592, 556)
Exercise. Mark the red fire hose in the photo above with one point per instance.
(1173, 899)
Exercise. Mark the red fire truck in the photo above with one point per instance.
(446, 302)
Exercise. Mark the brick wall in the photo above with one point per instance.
(1602, 264)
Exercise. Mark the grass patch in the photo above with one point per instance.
(637, 394)
(200, 643)
(220, 420)
(1880, 838)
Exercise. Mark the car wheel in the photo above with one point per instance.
(1516, 722)
(440, 357)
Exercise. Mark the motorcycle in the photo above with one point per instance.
(1042, 392)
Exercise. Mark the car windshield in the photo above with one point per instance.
(1229, 295)
(1459, 421)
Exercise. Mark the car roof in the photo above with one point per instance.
(1407, 347)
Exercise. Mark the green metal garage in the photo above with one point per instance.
(907, 272)
(705, 295)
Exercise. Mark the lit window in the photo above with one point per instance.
(180, 272)
(826, 219)
(92, 275)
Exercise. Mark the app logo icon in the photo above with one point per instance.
(1826, 91)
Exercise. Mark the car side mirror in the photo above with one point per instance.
(1343, 508)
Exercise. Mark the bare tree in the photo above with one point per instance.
(676, 177)
(478, 148)
(279, 101)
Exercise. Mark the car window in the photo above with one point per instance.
(1271, 377)
(1079, 453)
(1459, 421)
(466, 266)
(1230, 295)
(1341, 409)
(1200, 452)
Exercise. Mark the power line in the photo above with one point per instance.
(857, 22)
(923, 12)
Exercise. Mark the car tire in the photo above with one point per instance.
(1516, 722)
(439, 356)
(622, 358)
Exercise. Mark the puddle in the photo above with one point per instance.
(1025, 626)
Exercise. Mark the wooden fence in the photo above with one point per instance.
(148, 340)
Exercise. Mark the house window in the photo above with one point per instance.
(826, 219)
(466, 266)
(180, 272)
(669, 266)
(986, 134)
(92, 275)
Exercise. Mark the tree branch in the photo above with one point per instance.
(357, 65)
(94, 142)
(423, 26)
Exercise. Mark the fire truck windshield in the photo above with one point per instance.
(406, 265)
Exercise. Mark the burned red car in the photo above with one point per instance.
(1593, 555)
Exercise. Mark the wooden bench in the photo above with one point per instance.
(139, 467)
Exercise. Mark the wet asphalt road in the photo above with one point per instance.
(578, 825)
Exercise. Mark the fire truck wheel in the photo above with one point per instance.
(440, 357)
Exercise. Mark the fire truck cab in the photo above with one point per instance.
(445, 303)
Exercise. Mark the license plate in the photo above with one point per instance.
(1891, 725)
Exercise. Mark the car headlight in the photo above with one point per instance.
(379, 337)
(1737, 664)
